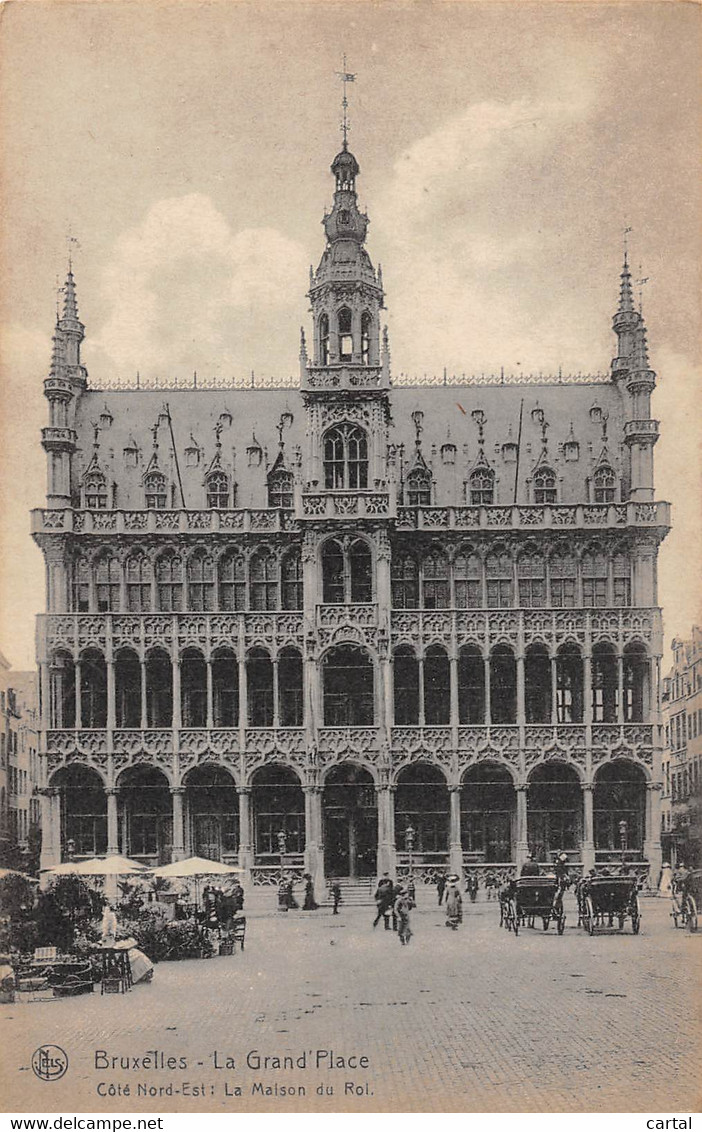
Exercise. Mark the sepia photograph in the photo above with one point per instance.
(350, 605)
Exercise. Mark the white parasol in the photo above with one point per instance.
(16, 873)
(195, 867)
(109, 866)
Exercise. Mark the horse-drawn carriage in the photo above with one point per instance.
(529, 898)
(604, 900)
(686, 901)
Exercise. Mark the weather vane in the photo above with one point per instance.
(626, 244)
(641, 283)
(70, 242)
(346, 77)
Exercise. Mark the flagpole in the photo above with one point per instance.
(519, 451)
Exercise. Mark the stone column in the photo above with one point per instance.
(587, 688)
(112, 822)
(386, 840)
(78, 678)
(50, 830)
(245, 830)
(588, 848)
(488, 706)
(175, 669)
(111, 715)
(453, 670)
(276, 694)
(313, 826)
(521, 696)
(522, 841)
(144, 713)
(178, 850)
(554, 690)
(209, 710)
(420, 666)
(620, 688)
(652, 839)
(455, 845)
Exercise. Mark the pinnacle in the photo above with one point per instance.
(70, 305)
(626, 298)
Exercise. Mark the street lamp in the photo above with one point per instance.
(409, 845)
(70, 849)
(623, 837)
(282, 894)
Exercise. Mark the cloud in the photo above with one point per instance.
(184, 291)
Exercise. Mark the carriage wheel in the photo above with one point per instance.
(635, 916)
(514, 916)
(561, 923)
(691, 908)
(589, 918)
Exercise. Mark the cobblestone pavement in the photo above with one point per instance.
(475, 1020)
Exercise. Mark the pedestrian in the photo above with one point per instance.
(411, 890)
(384, 900)
(665, 881)
(309, 904)
(238, 896)
(402, 907)
(335, 890)
(472, 886)
(491, 884)
(290, 894)
(454, 904)
(109, 926)
(441, 887)
(530, 868)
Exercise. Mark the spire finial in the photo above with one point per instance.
(626, 299)
(626, 246)
(641, 283)
(346, 77)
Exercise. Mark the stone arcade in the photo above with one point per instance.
(404, 626)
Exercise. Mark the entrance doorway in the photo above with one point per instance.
(350, 822)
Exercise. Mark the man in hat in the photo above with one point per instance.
(402, 908)
(530, 868)
(384, 898)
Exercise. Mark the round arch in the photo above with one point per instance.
(211, 812)
(350, 815)
(619, 795)
(488, 812)
(348, 685)
(278, 805)
(83, 810)
(145, 813)
(554, 808)
(422, 806)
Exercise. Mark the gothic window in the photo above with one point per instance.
(346, 575)
(225, 688)
(169, 583)
(95, 491)
(290, 688)
(263, 572)
(622, 578)
(569, 684)
(419, 488)
(280, 488)
(361, 571)
(503, 685)
(406, 686)
(471, 686)
(467, 580)
(537, 684)
(159, 689)
(193, 689)
(619, 795)
(482, 487)
(604, 684)
(127, 689)
(347, 672)
(217, 490)
(333, 587)
(62, 690)
(324, 340)
(594, 577)
(107, 584)
(259, 687)
(405, 582)
(201, 581)
(437, 686)
(346, 458)
(635, 678)
(563, 575)
(544, 485)
(435, 580)
(422, 804)
(232, 582)
(138, 575)
(291, 581)
(500, 586)
(345, 336)
(554, 809)
(604, 484)
(366, 324)
(155, 491)
(81, 585)
(531, 576)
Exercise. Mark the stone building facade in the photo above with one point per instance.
(681, 826)
(402, 625)
(19, 761)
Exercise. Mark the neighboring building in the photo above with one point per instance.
(19, 763)
(681, 811)
(402, 625)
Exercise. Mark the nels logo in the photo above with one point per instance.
(49, 1063)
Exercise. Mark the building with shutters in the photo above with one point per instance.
(405, 625)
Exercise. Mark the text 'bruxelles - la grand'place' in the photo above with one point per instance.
(311, 620)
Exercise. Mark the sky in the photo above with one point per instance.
(503, 150)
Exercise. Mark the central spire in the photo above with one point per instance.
(346, 77)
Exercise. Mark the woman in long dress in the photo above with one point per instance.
(454, 905)
(310, 903)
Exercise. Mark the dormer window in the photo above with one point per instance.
(604, 483)
(345, 336)
(95, 491)
(419, 488)
(544, 485)
(482, 487)
(217, 490)
(155, 491)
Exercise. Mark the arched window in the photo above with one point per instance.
(467, 580)
(594, 577)
(83, 810)
(500, 586)
(435, 580)
(201, 581)
(563, 570)
(419, 488)
(503, 685)
(488, 812)
(544, 485)
(280, 488)
(361, 571)
(345, 458)
(622, 578)
(405, 582)
(263, 571)
(62, 690)
(333, 583)
(348, 687)
(155, 491)
(138, 577)
(95, 491)
(406, 686)
(324, 340)
(471, 686)
(604, 484)
(278, 805)
(225, 688)
(169, 582)
(345, 335)
(127, 689)
(193, 689)
(531, 576)
(636, 672)
(604, 684)
(291, 580)
(366, 325)
(569, 684)
(259, 687)
(232, 582)
(619, 795)
(217, 489)
(482, 487)
(81, 585)
(347, 574)
(537, 685)
(437, 686)
(107, 584)
(290, 704)
(422, 804)
(159, 689)
(554, 809)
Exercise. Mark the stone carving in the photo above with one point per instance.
(199, 520)
(499, 516)
(263, 520)
(54, 520)
(135, 520)
(104, 521)
(157, 630)
(646, 512)
(231, 520)
(595, 516)
(466, 517)
(564, 516)
(531, 516)
(167, 520)
(192, 629)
